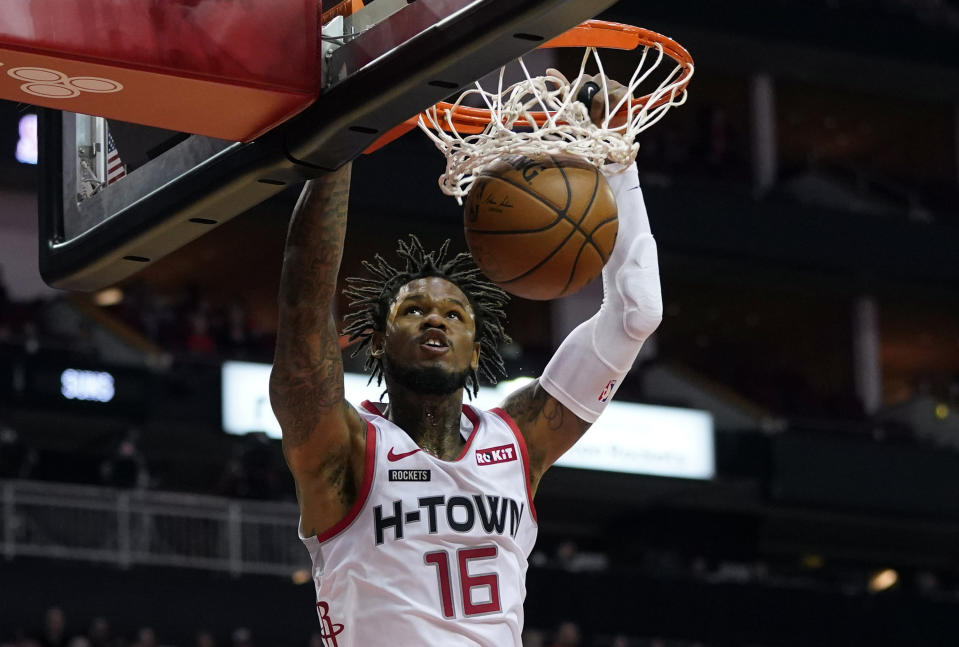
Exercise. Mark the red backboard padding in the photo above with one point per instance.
(230, 69)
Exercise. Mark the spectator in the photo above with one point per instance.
(54, 632)
(16, 459)
(146, 637)
(126, 468)
(99, 633)
(242, 637)
(250, 474)
(235, 337)
(205, 639)
(533, 638)
(195, 313)
(567, 635)
(566, 553)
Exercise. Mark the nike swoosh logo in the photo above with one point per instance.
(390, 456)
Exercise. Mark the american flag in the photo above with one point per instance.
(115, 166)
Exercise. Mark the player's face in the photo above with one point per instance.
(430, 336)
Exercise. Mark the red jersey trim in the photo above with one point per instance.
(471, 415)
(508, 419)
(369, 467)
(467, 411)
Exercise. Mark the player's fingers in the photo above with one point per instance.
(603, 88)
(612, 93)
(556, 74)
(588, 90)
(575, 85)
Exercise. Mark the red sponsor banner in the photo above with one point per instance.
(226, 69)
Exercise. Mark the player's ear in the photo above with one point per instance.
(474, 362)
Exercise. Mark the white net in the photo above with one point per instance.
(541, 115)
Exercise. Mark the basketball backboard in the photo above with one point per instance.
(384, 63)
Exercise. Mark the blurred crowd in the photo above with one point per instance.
(54, 630)
(189, 322)
(569, 634)
(249, 467)
(186, 324)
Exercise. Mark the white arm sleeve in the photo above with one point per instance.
(590, 364)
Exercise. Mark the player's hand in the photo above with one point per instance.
(597, 108)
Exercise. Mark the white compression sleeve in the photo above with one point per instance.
(590, 364)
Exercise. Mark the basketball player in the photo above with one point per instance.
(418, 514)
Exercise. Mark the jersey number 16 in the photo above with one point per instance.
(441, 560)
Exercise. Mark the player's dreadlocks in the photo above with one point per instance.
(371, 299)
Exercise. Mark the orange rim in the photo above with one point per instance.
(592, 33)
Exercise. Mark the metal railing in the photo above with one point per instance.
(129, 527)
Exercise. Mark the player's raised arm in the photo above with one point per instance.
(587, 369)
(322, 433)
(589, 366)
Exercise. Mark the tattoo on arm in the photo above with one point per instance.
(307, 378)
(314, 241)
(530, 405)
(303, 388)
(548, 427)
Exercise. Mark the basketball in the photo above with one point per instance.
(541, 227)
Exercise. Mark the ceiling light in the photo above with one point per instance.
(301, 576)
(882, 580)
(108, 297)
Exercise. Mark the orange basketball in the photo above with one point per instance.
(541, 227)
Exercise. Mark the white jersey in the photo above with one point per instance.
(432, 552)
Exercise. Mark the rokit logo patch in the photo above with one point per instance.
(493, 455)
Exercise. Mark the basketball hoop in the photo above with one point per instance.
(541, 114)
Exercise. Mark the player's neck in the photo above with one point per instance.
(432, 421)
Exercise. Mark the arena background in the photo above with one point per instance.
(805, 205)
